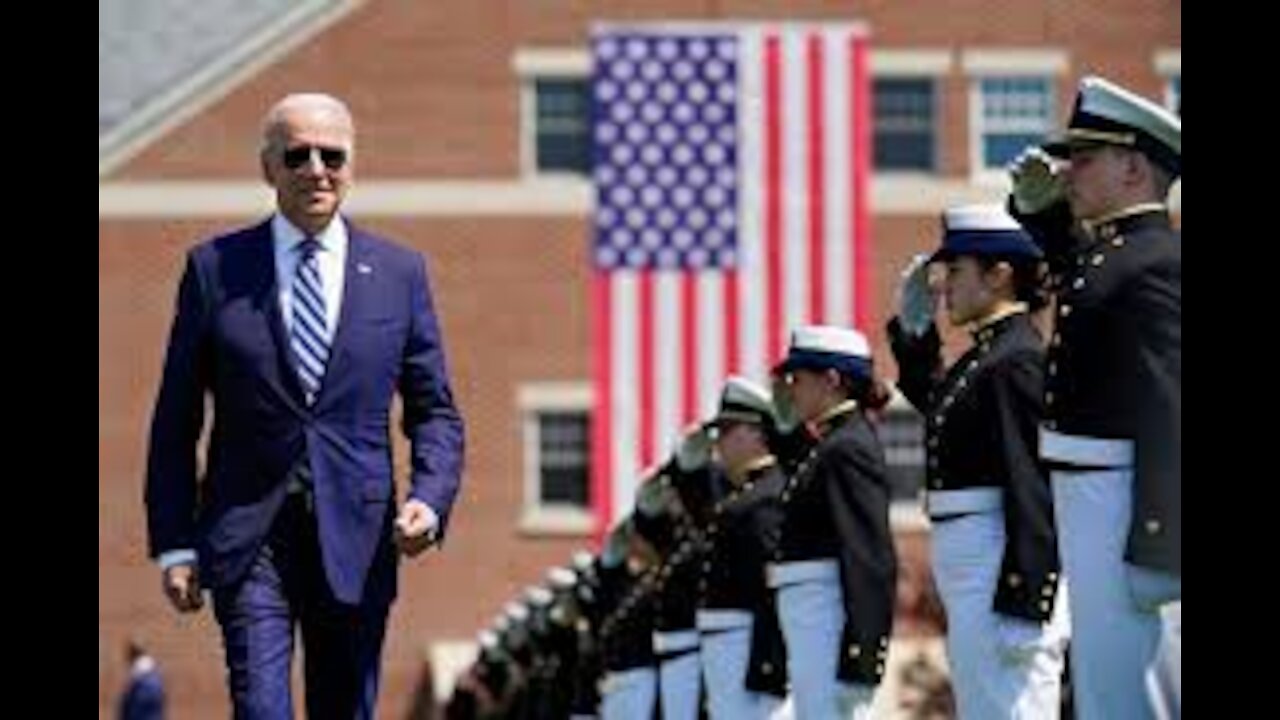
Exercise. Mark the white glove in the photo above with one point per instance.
(1018, 639)
(1038, 181)
(694, 451)
(917, 302)
(654, 496)
(784, 405)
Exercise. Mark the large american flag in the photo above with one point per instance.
(730, 169)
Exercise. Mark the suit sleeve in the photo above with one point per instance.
(857, 491)
(432, 422)
(919, 363)
(178, 420)
(1029, 569)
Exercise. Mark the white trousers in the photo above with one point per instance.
(629, 695)
(812, 617)
(725, 656)
(1164, 677)
(1001, 667)
(678, 686)
(1115, 624)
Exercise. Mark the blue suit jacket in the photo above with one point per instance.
(228, 341)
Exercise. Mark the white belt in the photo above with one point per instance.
(965, 501)
(1083, 450)
(665, 642)
(803, 571)
(712, 620)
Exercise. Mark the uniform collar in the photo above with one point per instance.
(988, 328)
(1112, 224)
(741, 474)
(825, 422)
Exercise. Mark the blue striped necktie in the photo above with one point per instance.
(310, 333)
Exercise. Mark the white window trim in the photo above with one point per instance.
(978, 63)
(979, 173)
(928, 63)
(1011, 61)
(537, 518)
(911, 62)
(1168, 64)
(531, 65)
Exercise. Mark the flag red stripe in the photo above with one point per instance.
(861, 163)
(648, 373)
(817, 175)
(689, 348)
(773, 196)
(732, 328)
(601, 421)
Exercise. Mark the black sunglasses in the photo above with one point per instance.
(296, 157)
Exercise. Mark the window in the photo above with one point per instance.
(902, 435)
(561, 125)
(905, 124)
(556, 431)
(1010, 113)
(562, 458)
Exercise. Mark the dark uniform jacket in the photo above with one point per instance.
(742, 534)
(1115, 359)
(626, 630)
(837, 507)
(982, 417)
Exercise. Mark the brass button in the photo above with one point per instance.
(1065, 310)
(879, 668)
(1053, 577)
(1053, 368)
(1076, 285)
(1014, 580)
(1047, 591)
(1153, 526)
(1056, 341)
(1118, 242)
(854, 651)
(1048, 398)
(766, 668)
(1045, 606)
(1096, 259)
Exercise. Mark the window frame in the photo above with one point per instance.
(534, 400)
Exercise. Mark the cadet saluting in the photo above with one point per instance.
(835, 568)
(995, 558)
(1113, 389)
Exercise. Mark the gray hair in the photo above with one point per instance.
(322, 102)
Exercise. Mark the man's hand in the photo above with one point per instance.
(417, 527)
(181, 584)
(784, 403)
(917, 299)
(1038, 181)
(694, 451)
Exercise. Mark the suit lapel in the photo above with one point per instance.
(267, 301)
(357, 274)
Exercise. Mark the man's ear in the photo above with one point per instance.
(1000, 274)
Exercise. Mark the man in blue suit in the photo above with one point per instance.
(300, 330)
